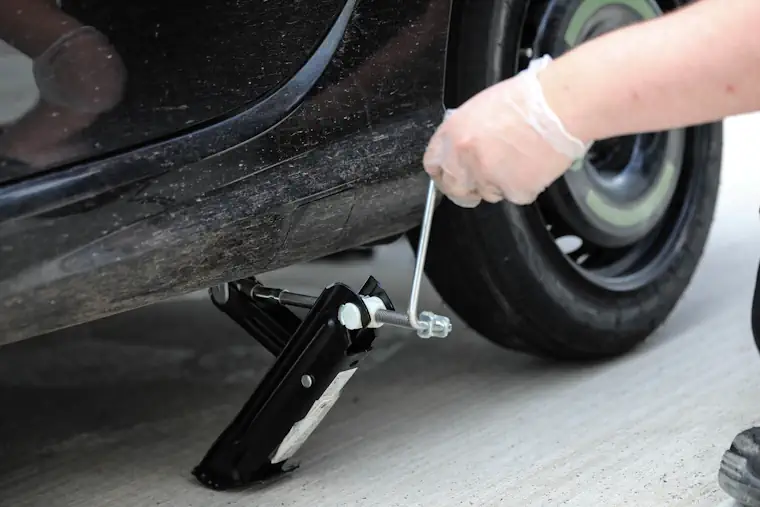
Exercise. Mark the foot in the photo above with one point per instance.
(739, 474)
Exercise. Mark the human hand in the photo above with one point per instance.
(503, 143)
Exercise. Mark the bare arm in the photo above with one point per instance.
(696, 65)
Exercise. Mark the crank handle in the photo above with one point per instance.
(427, 324)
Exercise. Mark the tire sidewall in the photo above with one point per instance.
(551, 282)
(522, 272)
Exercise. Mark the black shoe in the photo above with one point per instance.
(739, 474)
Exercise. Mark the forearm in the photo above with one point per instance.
(699, 64)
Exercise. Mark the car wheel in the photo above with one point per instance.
(602, 258)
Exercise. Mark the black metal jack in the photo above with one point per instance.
(316, 356)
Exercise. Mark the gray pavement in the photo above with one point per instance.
(117, 412)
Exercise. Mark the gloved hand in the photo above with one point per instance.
(503, 143)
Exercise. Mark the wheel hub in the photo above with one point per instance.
(619, 192)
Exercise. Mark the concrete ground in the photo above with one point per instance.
(118, 412)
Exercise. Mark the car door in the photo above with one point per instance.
(84, 79)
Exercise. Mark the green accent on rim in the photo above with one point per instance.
(642, 210)
(646, 8)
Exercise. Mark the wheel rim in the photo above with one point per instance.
(615, 216)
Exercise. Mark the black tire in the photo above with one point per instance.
(499, 268)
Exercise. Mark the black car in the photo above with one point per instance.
(152, 149)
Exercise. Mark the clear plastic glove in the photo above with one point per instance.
(503, 143)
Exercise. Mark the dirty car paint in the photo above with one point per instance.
(338, 168)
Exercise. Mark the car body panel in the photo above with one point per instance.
(327, 160)
(187, 66)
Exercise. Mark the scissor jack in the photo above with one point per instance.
(316, 357)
